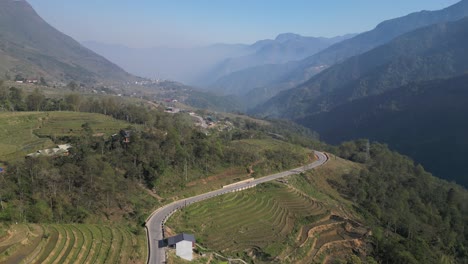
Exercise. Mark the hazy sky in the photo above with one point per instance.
(145, 23)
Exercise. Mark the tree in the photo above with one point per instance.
(35, 100)
(72, 85)
(19, 77)
(43, 82)
(16, 98)
(74, 101)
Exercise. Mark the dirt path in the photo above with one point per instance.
(151, 193)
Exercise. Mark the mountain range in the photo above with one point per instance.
(284, 48)
(203, 65)
(409, 93)
(270, 79)
(30, 47)
(436, 51)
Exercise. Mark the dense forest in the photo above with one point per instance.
(416, 218)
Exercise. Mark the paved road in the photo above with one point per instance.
(156, 220)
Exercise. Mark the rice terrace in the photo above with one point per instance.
(70, 243)
(274, 222)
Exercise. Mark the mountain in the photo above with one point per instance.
(181, 64)
(425, 120)
(29, 46)
(205, 64)
(284, 48)
(437, 51)
(293, 74)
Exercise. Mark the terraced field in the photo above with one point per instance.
(26, 132)
(272, 222)
(78, 243)
(69, 123)
(255, 221)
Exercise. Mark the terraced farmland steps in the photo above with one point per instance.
(155, 222)
(67, 243)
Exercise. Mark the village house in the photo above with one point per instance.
(183, 243)
(125, 134)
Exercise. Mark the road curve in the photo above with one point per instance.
(155, 222)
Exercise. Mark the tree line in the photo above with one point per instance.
(417, 218)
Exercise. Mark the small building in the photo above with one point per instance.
(183, 243)
(125, 134)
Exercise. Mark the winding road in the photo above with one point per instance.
(155, 222)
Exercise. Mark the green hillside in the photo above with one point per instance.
(27, 132)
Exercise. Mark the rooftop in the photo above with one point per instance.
(171, 241)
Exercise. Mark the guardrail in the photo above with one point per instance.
(239, 182)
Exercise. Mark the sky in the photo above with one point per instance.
(184, 23)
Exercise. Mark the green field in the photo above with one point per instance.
(71, 243)
(26, 132)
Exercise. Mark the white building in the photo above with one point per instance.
(184, 244)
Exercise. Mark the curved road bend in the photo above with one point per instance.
(155, 221)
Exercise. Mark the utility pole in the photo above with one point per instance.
(367, 150)
(185, 170)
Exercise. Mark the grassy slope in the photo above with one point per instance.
(275, 220)
(222, 175)
(25, 132)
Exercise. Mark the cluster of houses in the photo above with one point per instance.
(32, 81)
(60, 150)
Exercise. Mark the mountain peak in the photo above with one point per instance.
(287, 36)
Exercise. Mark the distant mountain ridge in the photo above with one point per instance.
(293, 74)
(437, 51)
(201, 66)
(410, 93)
(31, 47)
(284, 48)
